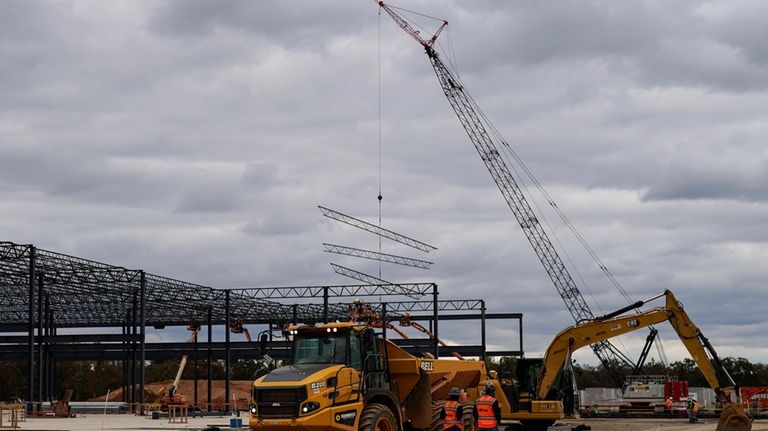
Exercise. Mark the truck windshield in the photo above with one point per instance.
(320, 349)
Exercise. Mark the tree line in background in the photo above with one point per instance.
(90, 379)
(744, 372)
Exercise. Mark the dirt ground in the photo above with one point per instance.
(659, 424)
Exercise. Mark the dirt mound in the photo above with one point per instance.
(241, 391)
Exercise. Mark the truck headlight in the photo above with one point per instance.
(310, 407)
(253, 409)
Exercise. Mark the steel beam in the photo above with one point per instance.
(385, 233)
(374, 255)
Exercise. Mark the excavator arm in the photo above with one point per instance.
(605, 327)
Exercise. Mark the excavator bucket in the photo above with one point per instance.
(731, 419)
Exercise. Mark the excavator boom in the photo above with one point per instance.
(603, 328)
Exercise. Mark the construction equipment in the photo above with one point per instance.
(538, 403)
(172, 397)
(474, 122)
(363, 312)
(237, 327)
(347, 376)
(61, 407)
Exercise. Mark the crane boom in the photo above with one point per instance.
(468, 113)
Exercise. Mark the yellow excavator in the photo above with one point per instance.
(346, 376)
(537, 405)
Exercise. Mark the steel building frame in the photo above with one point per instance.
(43, 291)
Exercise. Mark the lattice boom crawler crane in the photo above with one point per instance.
(481, 133)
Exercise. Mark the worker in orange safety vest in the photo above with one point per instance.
(452, 412)
(487, 412)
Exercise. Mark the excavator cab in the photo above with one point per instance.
(522, 393)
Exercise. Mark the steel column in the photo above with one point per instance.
(40, 364)
(31, 327)
(125, 360)
(48, 358)
(227, 358)
(325, 304)
(210, 358)
(434, 318)
(143, 336)
(384, 320)
(132, 331)
(53, 359)
(482, 329)
(196, 374)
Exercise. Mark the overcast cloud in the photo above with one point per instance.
(195, 139)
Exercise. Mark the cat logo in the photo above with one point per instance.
(633, 323)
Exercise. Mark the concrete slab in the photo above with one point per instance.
(95, 422)
(660, 425)
(124, 422)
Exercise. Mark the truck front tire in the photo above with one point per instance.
(377, 417)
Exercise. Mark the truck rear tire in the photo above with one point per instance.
(377, 417)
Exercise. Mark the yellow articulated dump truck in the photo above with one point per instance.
(346, 376)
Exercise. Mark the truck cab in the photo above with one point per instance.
(346, 376)
(323, 386)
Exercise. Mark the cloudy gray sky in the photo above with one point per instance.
(194, 139)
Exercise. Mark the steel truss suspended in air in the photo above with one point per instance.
(392, 288)
(385, 233)
(374, 255)
(474, 123)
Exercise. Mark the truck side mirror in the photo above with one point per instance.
(263, 343)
